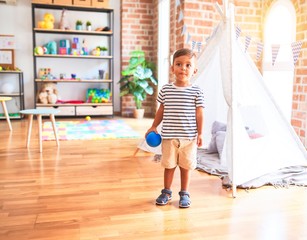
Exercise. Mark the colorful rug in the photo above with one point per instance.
(89, 130)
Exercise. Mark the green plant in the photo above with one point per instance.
(79, 22)
(88, 23)
(102, 48)
(137, 78)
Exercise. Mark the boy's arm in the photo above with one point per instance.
(200, 125)
(158, 119)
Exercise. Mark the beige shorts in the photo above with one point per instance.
(179, 152)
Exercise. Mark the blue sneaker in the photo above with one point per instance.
(184, 201)
(165, 197)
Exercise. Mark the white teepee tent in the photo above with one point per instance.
(236, 95)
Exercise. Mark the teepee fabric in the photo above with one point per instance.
(237, 96)
(247, 42)
(259, 50)
(296, 49)
(275, 50)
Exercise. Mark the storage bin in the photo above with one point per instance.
(63, 2)
(84, 3)
(64, 111)
(100, 3)
(42, 1)
(94, 110)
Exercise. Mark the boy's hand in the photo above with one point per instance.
(152, 129)
(199, 140)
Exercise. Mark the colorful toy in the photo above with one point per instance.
(153, 139)
(88, 118)
(64, 47)
(75, 47)
(47, 23)
(51, 47)
(95, 95)
(39, 50)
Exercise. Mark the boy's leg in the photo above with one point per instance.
(185, 176)
(168, 177)
(166, 193)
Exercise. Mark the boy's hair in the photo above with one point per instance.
(183, 52)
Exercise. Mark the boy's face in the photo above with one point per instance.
(184, 68)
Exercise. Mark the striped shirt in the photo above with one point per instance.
(179, 117)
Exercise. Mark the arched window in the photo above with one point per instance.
(280, 28)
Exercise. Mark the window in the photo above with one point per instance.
(280, 28)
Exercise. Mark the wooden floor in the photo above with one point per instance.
(90, 190)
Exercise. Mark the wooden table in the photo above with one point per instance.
(2, 100)
(39, 113)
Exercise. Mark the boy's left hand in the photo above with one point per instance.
(199, 140)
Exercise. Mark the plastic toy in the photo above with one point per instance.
(95, 95)
(88, 118)
(153, 139)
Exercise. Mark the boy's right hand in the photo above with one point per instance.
(152, 129)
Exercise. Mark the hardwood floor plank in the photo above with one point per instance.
(97, 190)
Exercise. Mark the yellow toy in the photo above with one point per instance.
(88, 118)
(47, 23)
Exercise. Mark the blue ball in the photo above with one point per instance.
(153, 139)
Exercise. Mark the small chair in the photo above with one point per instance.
(39, 113)
(2, 100)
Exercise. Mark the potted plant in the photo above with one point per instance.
(79, 25)
(103, 51)
(137, 79)
(88, 26)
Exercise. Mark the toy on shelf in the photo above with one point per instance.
(63, 22)
(96, 95)
(84, 50)
(45, 74)
(64, 48)
(39, 50)
(75, 47)
(47, 23)
(96, 52)
(48, 48)
(51, 47)
(48, 94)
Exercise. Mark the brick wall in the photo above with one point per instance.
(299, 108)
(138, 32)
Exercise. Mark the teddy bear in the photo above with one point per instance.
(48, 94)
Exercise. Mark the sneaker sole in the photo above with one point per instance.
(162, 204)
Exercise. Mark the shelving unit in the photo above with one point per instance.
(84, 66)
(17, 94)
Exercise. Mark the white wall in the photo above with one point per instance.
(17, 20)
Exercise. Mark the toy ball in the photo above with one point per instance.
(87, 118)
(153, 139)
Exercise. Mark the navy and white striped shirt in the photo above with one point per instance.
(180, 103)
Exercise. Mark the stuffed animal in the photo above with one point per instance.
(48, 22)
(51, 48)
(48, 94)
